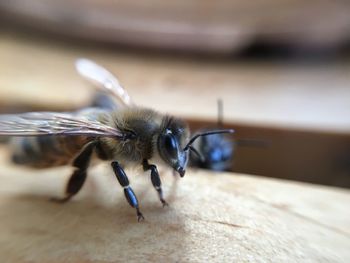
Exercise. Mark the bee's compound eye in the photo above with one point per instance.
(216, 155)
(170, 144)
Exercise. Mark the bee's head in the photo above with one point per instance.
(171, 143)
(173, 146)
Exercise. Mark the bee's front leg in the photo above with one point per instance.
(128, 192)
(157, 184)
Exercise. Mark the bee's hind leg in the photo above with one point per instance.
(157, 184)
(75, 183)
(128, 192)
(77, 179)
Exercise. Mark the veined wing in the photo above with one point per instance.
(52, 123)
(103, 79)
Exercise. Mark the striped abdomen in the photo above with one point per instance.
(47, 151)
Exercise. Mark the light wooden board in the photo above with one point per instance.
(40, 72)
(212, 217)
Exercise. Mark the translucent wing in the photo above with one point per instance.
(52, 123)
(103, 79)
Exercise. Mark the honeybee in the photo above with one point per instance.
(214, 152)
(125, 135)
(217, 152)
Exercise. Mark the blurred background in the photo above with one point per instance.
(281, 68)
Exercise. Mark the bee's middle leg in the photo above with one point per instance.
(77, 179)
(128, 192)
(157, 184)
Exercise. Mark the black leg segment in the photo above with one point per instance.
(77, 179)
(128, 192)
(155, 179)
(120, 174)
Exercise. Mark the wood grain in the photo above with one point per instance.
(216, 217)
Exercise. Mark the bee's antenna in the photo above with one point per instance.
(188, 145)
(200, 156)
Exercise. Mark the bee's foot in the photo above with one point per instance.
(140, 217)
(164, 203)
(61, 200)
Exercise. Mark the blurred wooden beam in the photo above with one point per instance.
(197, 26)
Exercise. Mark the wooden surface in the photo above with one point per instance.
(40, 73)
(214, 217)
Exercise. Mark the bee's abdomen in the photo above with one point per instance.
(46, 151)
